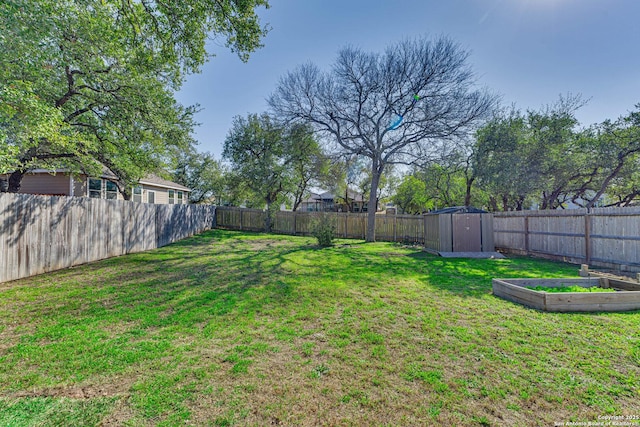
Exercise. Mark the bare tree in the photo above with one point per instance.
(388, 107)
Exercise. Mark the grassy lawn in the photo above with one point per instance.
(232, 328)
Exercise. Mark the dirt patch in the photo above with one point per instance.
(114, 388)
(120, 414)
(392, 254)
(262, 244)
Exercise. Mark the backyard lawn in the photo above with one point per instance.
(231, 328)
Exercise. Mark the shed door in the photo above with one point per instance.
(467, 235)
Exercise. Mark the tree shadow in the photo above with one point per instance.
(472, 277)
(185, 283)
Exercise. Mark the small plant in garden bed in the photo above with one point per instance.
(570, 289)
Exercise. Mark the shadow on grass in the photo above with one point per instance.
(469, 277)
(185, 284)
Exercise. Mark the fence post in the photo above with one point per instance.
(241, 219)
(587, 238)
(295, 223)
(395, 228)
(526, 234)
(346, 225)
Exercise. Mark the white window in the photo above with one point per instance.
(111, 190)
(102, 189)
(137, 194)
(95, 188)
(172, 195)
(151, 196)
(180, 201)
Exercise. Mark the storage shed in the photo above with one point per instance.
(459, 229)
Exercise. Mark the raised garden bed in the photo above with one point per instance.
(626, 296)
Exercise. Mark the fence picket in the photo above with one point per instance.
(604, 237)
(46, 233)
(400, 228)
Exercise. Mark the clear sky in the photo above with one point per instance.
(528, 51)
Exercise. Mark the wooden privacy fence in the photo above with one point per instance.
(604, 237)
(393, 228)
(45, 233)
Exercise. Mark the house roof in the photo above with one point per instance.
(156, 180)
(327, 195)
(356, 197)
(150, 179)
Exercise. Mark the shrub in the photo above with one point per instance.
(324, 229)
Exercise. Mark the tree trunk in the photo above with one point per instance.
(15, 182)
(267, 219)
(297, 199)
(376, 172)
(545, 203)
(493, 203)
(126, 195)
(124, 190)
(605, 184)
(467, 196)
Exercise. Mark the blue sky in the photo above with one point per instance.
(528, 51)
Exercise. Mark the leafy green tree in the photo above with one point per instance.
(624, 189)
(445, 185)
(500, 161)
(530, 157)
(389, 108)
(203, 174)
(309, 165)
(411, 195)
(613, 150)
(91, 83)
(260, 157)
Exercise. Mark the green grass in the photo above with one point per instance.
(573, 288)
(232, 328)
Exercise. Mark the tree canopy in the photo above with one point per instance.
(86, 84)
(203, 174)
(271, 161)
(424, 87)
(533, 159)
(543, 158)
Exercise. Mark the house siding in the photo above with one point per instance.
(80, 186)
(62, 184)
(162, 194)
(46, 184)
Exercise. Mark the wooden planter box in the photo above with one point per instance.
(626, 297)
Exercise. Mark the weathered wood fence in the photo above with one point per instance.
(604, 237)
(45, 233)
(393, 228)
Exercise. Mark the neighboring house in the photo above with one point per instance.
(151, 189)
(328, 202)
(318, 202)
